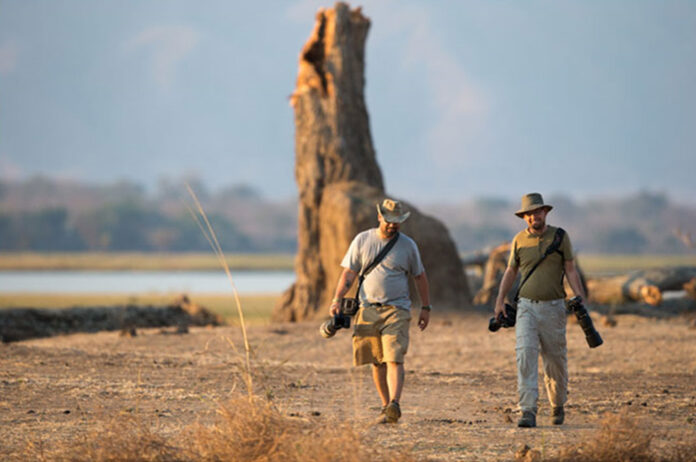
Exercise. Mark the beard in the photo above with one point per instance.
(389, 230)
(538, 225)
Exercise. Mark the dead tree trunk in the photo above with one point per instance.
(644, 286)
(336, 169)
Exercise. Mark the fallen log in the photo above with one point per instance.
(645, 286)
(18, 324)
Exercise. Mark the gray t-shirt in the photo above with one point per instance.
(387, 283)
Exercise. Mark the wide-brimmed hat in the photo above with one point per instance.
(532, 201)
(392, 211)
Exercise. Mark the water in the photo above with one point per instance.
(126, 282)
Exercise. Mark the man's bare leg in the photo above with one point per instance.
(379, 375)
(395, 380)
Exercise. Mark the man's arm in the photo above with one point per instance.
(574, 279)
(344, 283)
(423, 288)
(505, 285)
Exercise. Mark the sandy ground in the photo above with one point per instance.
(459, 401)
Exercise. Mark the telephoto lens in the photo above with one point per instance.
(329, 328)
(591, 335)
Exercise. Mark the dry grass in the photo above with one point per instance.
(621, 438)
(245, 430)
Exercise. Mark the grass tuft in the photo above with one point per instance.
(621, 438)
(245, 430)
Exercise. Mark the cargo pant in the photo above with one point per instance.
(541, 326)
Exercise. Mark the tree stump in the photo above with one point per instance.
(338, 177)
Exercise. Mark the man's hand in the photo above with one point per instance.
(499, 308)
(424, 319)
(335, 308)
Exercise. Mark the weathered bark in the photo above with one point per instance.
(690, 288)
(645, 286)
(492, 274)
(337, 174)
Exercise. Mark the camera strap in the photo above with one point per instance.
(553, 247)
(380, 256)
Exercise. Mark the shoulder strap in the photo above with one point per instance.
(553, 247)
(380, 256)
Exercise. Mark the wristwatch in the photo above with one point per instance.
(426, 307)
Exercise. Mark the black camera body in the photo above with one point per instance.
(495, 323)
(349, 306)
(591, 335)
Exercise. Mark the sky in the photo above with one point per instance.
(466, 98)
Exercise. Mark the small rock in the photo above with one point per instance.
(608, 321)
(128, 332)
(527, 454)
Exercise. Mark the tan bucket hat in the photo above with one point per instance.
(532, 201)
(392, 211)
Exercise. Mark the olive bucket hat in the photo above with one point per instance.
(532, 201)
(392, 211)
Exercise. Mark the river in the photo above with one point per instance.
(120, 282)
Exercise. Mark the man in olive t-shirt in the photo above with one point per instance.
(541, 313)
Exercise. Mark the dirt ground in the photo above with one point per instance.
(459, 401)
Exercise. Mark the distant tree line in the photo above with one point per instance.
(45, 215)
(42, 214)
(644, 222)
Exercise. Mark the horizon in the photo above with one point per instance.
(250, 190)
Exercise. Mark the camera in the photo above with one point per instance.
(349, 306)
(329, 328)
(591, 335)
(499, 321)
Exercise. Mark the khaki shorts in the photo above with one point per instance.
(380, 335)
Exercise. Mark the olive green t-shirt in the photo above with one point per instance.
(546, 283)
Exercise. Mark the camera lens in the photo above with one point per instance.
(328, 329)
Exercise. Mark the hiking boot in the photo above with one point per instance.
(558, 415)
(527, 420)
(392, 412)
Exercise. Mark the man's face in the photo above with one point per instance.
(536, 219)
(388, 229)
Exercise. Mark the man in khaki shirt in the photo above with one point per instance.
(541, 313)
